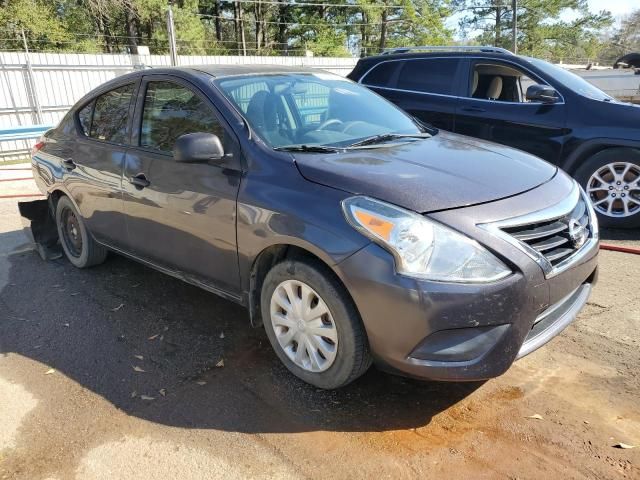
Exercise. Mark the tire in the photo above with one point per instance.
(617, 190)
(348, 357)
(79, 247)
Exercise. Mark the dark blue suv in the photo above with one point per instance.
(525, 103)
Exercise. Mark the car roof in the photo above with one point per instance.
(220, 71)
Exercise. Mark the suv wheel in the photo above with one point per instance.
(313, 325)
(78, 245)
(611, 179)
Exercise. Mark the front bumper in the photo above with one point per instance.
(461, 332)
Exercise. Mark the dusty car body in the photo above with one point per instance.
(431, 254)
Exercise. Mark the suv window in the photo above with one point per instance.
(111, 114)
(170, 111)
(499, 82)
(381, 75)
(84, 117)
(431, 75)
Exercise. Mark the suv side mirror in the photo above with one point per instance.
(542, 93)
(198, 147)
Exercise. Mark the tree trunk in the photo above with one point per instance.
(383, 31)
(364, 34)
(259, 24)
(283, 13)
(218, 20)
(129, 20)
(498, 30)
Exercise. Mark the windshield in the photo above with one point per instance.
(570, 80)
(313, 109)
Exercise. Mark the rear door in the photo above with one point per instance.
(423, 87)
(182, 216)
(494, 107)
(95, 160)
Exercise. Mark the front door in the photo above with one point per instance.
(495, 108)
(181, 216)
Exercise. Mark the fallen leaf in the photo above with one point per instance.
(162, 392)
(66, 325)
(220, 364)
(201, 382)
(136, 285)
(139, 357)
(153, 337)
(165, 328)
(624, 445)
(138, 369)
(146, 397)
(221, 334)
(117, 308)
(50, 371)
(74, 294)
(535, 416)
(134, 394)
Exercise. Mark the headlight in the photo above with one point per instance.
(423, 248)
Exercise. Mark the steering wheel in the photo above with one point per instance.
(329, 122)
(352, 124)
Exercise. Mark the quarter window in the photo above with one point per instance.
(111, 114)
(381, 75)
(429, 75)
(170, 111)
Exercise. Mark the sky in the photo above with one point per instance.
(616, 7)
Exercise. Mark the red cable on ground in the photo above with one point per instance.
(619, 248)
(22, 195)
(15, 179)
(13, 169)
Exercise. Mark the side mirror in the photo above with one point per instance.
(198, 148)
(542, 93)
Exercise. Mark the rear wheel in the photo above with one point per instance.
(611, 179)
(78, 245)
(313, 325)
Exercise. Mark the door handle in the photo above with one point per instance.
(473, 109)
(68, 164)
(139, 181)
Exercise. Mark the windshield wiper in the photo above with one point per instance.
(306, 148)
(385, 137)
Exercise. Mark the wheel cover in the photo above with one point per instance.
(304, 326)
(71, 234)
(614, 189)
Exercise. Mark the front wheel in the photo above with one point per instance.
(611, 179)
(313, 325)
(78, 245)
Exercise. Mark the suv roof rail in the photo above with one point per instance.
(459, 48)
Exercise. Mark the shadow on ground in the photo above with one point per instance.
(103, 325)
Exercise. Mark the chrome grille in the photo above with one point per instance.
(558, 238)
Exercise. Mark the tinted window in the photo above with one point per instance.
(84, 117)
(570, 80)
(430, 75)
(381, 74)
(111, 114)
(170, 111)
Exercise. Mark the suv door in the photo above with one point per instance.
(494, 108)
(95, 162)
(182, 216)
(423, 87)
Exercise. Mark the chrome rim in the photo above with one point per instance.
(614, 189)
(304, 326)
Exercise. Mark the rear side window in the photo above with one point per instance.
(381, 75)
(111, 114)
(435, 75)
(170, 111)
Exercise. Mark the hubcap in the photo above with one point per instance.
(71, 232)
(304, 326)
(614, 189)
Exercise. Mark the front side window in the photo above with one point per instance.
(111, 115)
(499, 82)
(170, 111)
(432, 75)
(313, 109)
(84, 117)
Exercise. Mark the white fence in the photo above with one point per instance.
(40, 88)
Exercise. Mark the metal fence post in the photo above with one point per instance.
(31, 80)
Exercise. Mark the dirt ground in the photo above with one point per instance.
(110, 373)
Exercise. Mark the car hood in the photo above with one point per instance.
(443, 172)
